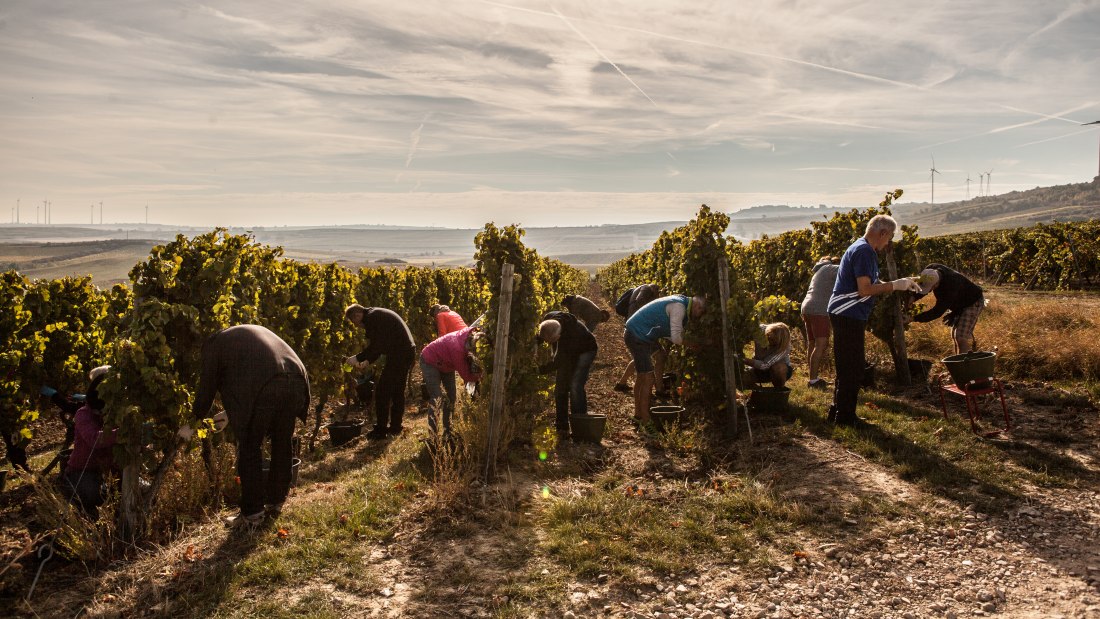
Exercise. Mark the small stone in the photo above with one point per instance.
(989, 607)
(681, 589)
(387, 592)
(985, 596)
(568, 615)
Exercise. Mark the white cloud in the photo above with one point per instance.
(204, 108)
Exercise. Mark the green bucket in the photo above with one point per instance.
(971, 366)
(588, 428)
(769, 399)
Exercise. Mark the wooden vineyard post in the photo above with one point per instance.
(901, 355)
(500, 369)
(727, 352)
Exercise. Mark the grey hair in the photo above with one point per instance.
(882, 223)
(549, 329)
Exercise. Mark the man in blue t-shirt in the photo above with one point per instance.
(850, 306)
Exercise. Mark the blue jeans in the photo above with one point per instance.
(436, 382)
(569, 388)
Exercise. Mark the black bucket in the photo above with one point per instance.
(588, 428)
(769, 399)
(919, 368)
(664, 417)
(341, 432)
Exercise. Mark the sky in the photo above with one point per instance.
(458, 112)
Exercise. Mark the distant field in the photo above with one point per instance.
(108, 262)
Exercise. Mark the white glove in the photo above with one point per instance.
(353, 362)
(220, 421)
(905, 283)
(185, 433)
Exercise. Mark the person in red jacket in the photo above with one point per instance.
(439, 361)
(446, 320)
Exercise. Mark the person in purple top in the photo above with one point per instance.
(853, 298)
(439, 361)
(82, 475)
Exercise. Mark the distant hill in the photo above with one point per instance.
(109, 251)
(1074, 202)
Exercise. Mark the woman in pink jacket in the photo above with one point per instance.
(438, 363)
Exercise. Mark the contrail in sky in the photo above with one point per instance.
(414, 143)
(856, 74)
(1042, 116)
(745, 52)
(1057, 137)
(1057, 116)
(605, 58)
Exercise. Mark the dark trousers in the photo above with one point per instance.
(84, 489)
(389, 394)
(272, 417)
(569, 388)
(850, 361)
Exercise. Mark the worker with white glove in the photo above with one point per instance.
(853, 298)
(265, 389)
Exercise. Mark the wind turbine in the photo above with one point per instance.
(1095, 122)
(968, 186)
(989, 182)
(933, 172)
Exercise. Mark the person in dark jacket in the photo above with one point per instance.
(263, 387)
(589, 313)
(961, 299)
(387, 334)
(639, 296)
(574, 351)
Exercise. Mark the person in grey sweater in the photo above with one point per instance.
(589, 313)
(264, 387)
(815, 313)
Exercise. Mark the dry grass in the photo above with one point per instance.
(1047, 339)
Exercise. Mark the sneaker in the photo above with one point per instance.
(247, 523)
(818, 383)
(274, 510)
(623, 388)
(377, 432)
